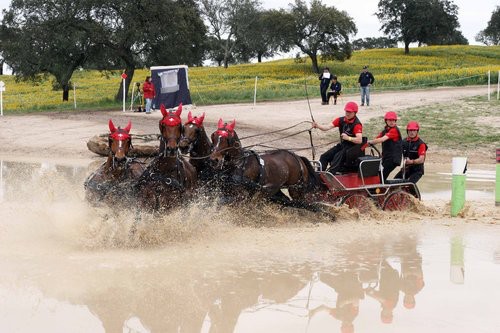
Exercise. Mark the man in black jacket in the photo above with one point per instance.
(365, 80)
(335, 89)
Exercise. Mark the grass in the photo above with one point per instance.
(277, 80)
(467, 124)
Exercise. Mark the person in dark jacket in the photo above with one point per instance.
(365, 80)
(325, 79)
(414, 150)
(335, 89)
(392, 148)
(351, 138)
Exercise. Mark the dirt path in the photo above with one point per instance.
(63, 135)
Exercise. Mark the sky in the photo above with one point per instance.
(473, 15)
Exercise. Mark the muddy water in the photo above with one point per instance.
(66, 267)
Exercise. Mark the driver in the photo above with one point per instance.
(348, 150)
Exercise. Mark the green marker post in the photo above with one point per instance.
(459, 168)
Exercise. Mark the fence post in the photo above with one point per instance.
(497, 181)
(132, 99)
(459, 168)
(124, 77)
(74, 94)
(255, 92)
(457, 267)
(489, 85)
(2, 89)
(498, 86)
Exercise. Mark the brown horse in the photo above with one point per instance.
(246, 173)
(112, 183)
(195, 142)
(170, 179)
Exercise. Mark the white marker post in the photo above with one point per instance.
(74, 94)
(498, 86)
(458, 170)
(489, 85)
(2, 89)
(255, 92)
(124, 77)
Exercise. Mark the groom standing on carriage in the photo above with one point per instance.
(346, 152)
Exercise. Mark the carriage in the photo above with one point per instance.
(364, 187)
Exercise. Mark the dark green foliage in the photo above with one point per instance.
(431, 22)
(491, 35)
(374, 43)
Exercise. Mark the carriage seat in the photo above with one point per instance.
(369, 166)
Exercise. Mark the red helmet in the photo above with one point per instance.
(391, 115)
(351, 107)
(412, 126)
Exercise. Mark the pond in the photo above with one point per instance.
(68, 267)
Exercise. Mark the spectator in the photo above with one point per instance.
(414, 150)
(325, 79)
(351, 137)
(365, 80)
(335, 89)
(390, 137)
(149, 92)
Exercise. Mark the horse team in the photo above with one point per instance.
(190, 164)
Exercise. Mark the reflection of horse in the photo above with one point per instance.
(112, 182)
(195, 142)
(268, 173)
(169, 179)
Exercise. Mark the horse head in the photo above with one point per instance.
(170, 129)
(225, 142)
(119, 141)
(191, 132)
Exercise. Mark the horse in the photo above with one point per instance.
(246, 173)
(169, 179)
(195, 142)
(112, 183)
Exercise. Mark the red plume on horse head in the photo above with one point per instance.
(228, 127)
(113, 129)
(165, 113)
(198, 121)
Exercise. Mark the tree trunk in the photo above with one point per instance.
(259, 57)
(314, 60)
(1, 67)
(407, 47)
(129, 70)
(65, 92)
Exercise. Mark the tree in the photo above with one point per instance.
(441, 24)
(319, 30)
(228, 19)
(140, 32)
(422, 21)
(374, 43)
(261, 37)
(41, 37)
(491, 35)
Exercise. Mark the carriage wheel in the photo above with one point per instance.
(399, 200)
(359, 201)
